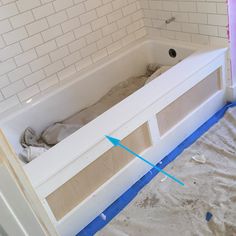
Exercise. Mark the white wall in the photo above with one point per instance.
(44, 41)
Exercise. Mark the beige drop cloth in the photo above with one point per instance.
(167, 209)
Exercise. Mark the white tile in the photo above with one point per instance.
(128, 39)
(140, 33)
(13, 89)
(170, 6)
(114, 16)
(22, 19)
(76, 10)
(88, 17)
(5, 26)
(190, 28)
(70, 24)
(104, 42)
(9, 103)
(93, 37)
(57, 18)
(43, 41)
(53, 68)
(84, 63)
(222, 8)
(52, 33)
(99, 55)
(155, 5)
(31, 42)
(187, 6)
(127, 10)
(7, 66)
(221, 20)
(124, 21)
(114, 47)
(40, 63)
(65, 39)
(8, 11)
(25, 57)
(46, 48)
(119, 34)
(82, 31)
(87, 51)
(109, 29)
(208, 30)
(15, 36)
(25, 5)
(206, 7)
(47, 83)
(92, 4)
(198, 18)
(37, 26)
(34, 78)
(43, 11)
(59, 53)
(72, 58)
(66, 73)
(4, 81)
(61, 5)
(77, 44)
(28, 93)
(10, 51)
(99, 23)
(19, 73)
(104, 10)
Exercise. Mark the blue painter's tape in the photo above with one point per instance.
(208, 216)
(117, 206)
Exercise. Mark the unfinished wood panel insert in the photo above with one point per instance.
(74, 191)
(177, 110)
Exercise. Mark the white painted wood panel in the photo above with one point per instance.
(16, 217)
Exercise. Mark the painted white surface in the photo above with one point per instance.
(16, 217)
(66, 159)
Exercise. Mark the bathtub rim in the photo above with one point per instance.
(92, 125)
(79, 76)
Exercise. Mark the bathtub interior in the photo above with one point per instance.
(87, 87)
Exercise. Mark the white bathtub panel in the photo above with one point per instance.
(72, 147)
(116, 186)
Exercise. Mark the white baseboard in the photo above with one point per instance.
(231, 93)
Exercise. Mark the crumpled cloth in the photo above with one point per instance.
(58, 131)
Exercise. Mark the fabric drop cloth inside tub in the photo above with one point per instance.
(34, 145)
(164, 208)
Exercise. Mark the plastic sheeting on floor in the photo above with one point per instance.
(130, 194)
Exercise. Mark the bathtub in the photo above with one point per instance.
(82, 175)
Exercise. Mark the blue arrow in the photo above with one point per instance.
(116, 142)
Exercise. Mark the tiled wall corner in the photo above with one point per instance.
(197, 21)
(45, 41)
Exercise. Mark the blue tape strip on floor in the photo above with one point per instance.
(116, 207)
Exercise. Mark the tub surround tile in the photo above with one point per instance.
(197, 21)
(44, 41)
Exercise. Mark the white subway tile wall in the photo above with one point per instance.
(45, 41)
(197, 21)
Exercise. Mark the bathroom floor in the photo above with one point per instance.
(165, 208)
